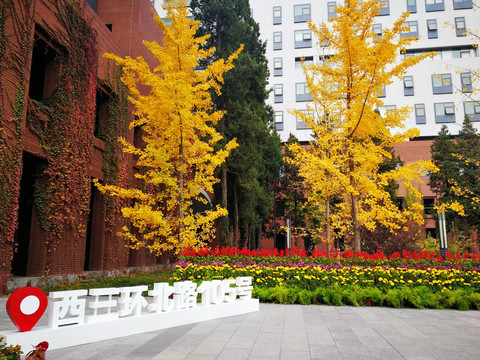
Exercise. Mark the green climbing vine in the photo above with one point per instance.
(114, 159)
(64, 124)
(15, 51)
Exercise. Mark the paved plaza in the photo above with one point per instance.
(296, 332)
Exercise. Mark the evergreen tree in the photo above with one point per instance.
(246, 175)
(456, 182)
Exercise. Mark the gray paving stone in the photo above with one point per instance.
(294, 355)
(234, 354)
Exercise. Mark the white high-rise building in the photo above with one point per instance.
(438, 90)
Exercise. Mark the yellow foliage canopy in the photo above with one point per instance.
(351, 138)
(174, 111)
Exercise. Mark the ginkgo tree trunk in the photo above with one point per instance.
(351, 138)
(173, 108)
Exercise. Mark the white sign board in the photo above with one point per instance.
(81, 316)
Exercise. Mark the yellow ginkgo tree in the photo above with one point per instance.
(351, 137)
(174, 111)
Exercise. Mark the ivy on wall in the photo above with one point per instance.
(64, 124)
(15, 52)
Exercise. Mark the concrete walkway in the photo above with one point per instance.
(295, 332)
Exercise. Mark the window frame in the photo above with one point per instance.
(408, 86)
(420, 119)
(432, 33)
(434, 5)
(304, 16)
(278, 124)
(277, 20)
(277, 45)
(306, 41)
(385, 10)
(304, 94)
(278, 93)
(466, 82)
(447, 113)
(462, 4)
(412, 6)
(443, 88)
(411, 24)
(331, 6)
(460, 31)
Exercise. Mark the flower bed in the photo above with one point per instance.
(418, 279)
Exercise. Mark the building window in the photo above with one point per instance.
(408, 86)
(462, 4)
(277, 40)
(412, 29)
(377, 29)
(331, 5)
(385, 10)
(308, 60)
(278, 93)
(45, 67)
(412, 6)
(386, 108)
(463, 53)
(442, 83)
(466, 80)
(93, 4)
(420, 117)
(302, 13)
(102, 113)
(279, 120)
(303, 39)
(472, 110)
(460, 26)
(428, 206)
(277, 15)
(444, 112)
(432, 28)
(383, 92)
(434, 5)
(302, 93)
(301, 124)
(277, 66)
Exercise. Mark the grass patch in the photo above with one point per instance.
(133, 279)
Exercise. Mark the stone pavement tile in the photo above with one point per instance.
(171, 353)
(200, 357)
(363, 331)
(385, 353)
(374, 342)
(324, 352)
(209, 346)
(271, 337)
(234, 354)
(265, 350)
(294, 355)
(324, 339)
(187, 341)
(317, 329)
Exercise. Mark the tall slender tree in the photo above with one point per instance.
(246, 175)
(173, 107)
(351, 140)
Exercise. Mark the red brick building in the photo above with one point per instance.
(63, 107)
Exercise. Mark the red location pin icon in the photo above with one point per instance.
(26, 306)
